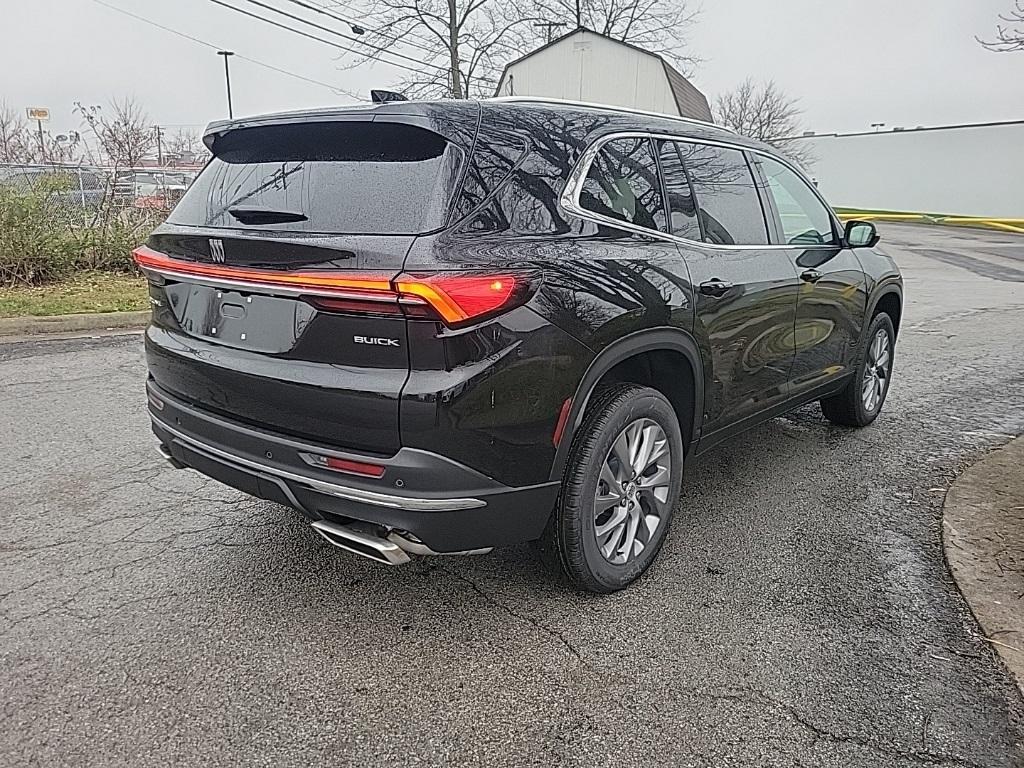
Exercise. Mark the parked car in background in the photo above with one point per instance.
(440, 327)
(151, 189)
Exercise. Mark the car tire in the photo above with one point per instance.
(861, 400)
(613, 514)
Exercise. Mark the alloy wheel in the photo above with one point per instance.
(632, 492)
(876, 372)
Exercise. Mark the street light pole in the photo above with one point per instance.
(227, 78)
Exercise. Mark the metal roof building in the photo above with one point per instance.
(587, 66)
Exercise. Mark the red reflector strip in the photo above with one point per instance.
(563, 418)
(353, 467)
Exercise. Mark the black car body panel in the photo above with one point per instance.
(733, 333)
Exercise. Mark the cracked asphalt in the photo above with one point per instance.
(801, 613)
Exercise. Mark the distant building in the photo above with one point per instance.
(974, 169)
(588, 66)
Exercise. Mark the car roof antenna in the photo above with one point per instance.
(380, 97)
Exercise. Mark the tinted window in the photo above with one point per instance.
(622, 184)
(344, 177)
(682, 211)
(729, 208)
(805, 220)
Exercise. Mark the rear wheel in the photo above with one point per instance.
(620, 489)
(861, 400)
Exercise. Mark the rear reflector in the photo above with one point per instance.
(347, 465)
(563, 418)
(456, 298)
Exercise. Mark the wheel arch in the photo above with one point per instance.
(615, 359)
(887, 298)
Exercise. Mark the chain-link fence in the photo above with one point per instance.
(56, 219)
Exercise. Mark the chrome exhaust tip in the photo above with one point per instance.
(414, 546)
(166, 453)
(362, 541)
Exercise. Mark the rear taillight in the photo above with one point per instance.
(455, 298)
(460, 298)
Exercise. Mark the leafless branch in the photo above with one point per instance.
(1010, 34)
(763, 111)
(660, 26)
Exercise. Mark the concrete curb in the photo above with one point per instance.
(983, 536)
(59, 324)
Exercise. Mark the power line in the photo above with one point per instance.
(316, 8)
(198, 41)
(344, 36)
(311, 36)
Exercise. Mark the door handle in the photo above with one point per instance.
(810, 275)
(715, 287)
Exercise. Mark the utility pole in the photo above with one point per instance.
(159, 145)
(549, 26)
(227, 79)
(42, 141)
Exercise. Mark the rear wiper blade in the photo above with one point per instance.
(254, 214)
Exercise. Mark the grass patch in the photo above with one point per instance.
(85, 292)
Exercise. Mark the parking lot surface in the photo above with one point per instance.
(801, 612)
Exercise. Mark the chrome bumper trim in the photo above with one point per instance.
(331, 489)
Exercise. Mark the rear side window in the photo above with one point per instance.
(804, 218)
(727, 200)
(337, 178)
(622, 184)
(681, 208)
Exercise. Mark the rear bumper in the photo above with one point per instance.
(448, 506)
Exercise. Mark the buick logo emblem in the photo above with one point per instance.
(217, 250)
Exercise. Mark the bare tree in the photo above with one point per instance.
(125, 135)
(15, 142)
(660, 26)
(184, 144)
(763, 111)
(1009, 35)
(461, 44)
(21, 142)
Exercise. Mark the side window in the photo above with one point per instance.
(805, 220)
(681, 208)
(727, 200)
(622, 184)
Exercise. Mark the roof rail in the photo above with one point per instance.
(609, 107)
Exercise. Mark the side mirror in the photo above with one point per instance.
(861, 234)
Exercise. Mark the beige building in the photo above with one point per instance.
(588, 66)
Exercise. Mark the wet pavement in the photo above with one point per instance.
(800, 614)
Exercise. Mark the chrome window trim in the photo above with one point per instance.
(569, 200)
(332, 489)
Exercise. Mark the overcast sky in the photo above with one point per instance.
(850, 62)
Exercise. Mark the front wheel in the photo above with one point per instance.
(621, 486)
(861, 400)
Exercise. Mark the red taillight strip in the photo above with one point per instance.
(457, 298)
(331, 283)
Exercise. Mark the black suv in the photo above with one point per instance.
(444, 327)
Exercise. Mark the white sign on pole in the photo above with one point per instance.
(42, 114)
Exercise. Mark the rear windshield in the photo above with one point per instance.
(337, 178)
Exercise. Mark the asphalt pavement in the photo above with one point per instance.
(800, 614)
